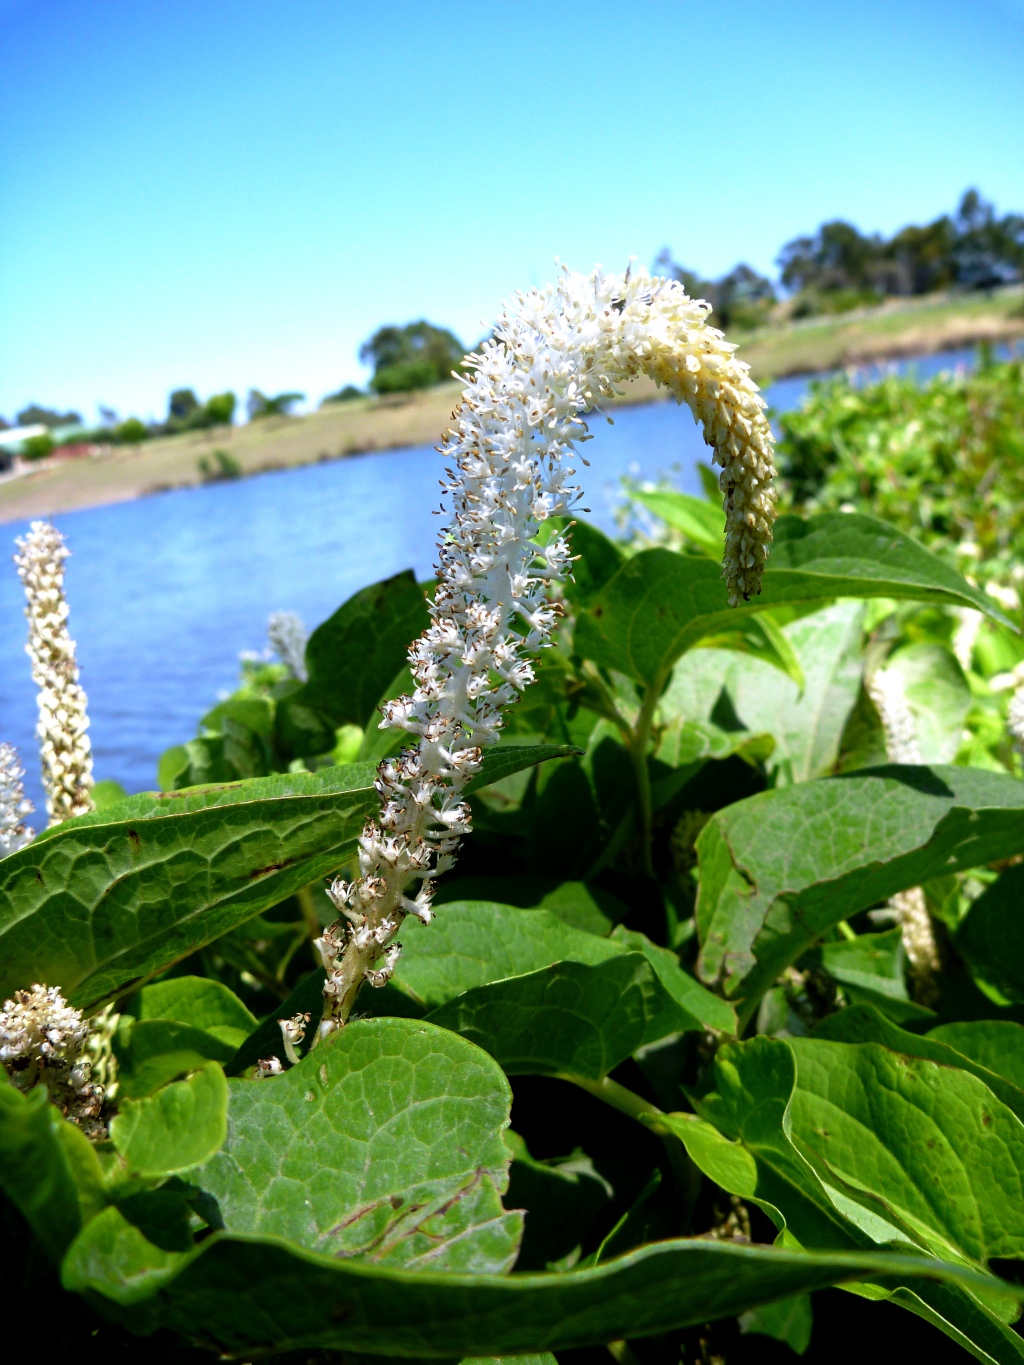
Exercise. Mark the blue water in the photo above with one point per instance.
(166, 591)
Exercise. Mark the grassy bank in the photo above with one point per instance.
(334, 432)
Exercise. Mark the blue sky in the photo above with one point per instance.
(235, 193)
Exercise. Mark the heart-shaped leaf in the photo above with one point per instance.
(385, 1144)
(780, 868)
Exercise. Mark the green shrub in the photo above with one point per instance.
(37, 447)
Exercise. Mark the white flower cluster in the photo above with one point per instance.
(14, 805)
(909, 908)
(556, 355)
(42, 1039)
(63, 742)
(288, 639)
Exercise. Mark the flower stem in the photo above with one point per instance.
(638, 745)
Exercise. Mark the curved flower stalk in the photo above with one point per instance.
(64, 744)
(556, 355)
(909, 908)
(42, 1039)
(1015, 718)
(288, 638)
(14, 805)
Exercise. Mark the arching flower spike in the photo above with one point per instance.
(557, 354)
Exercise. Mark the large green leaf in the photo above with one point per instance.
(472, 944)
(48, 1168)
(988, 1049)
(924, 1145)
(780, 868)
(995, 1044)
(356, 652)
(991, 938)
(385, 1143)
(98, 904)
(805, 722)
(767, 1147)
(243, 1296)
(660, 604)
(569, 1019)
(177, 1128)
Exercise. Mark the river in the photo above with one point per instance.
(166, 591)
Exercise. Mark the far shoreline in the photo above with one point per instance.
(894, 331)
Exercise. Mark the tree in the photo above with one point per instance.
(34, 415)
(411, 357)
(262, 405)
(742, 298)
(181, 408)
(343, 395)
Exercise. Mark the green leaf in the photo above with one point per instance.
(863, 1024)
(356, 652)
(107, 793)
(598, 559)
(769, 1127)
(179, 1127)
(871, 969)
(760, 638)
(699, 521)
(568, 1019)
(388, 1148)
(938, 697)
(780, 868)
(660, 604)
(113, 1257)
(712, 1011)
(151, 1052)
(505, 759)
(472, 943)
(98, 904)
(991, 938)
(924, 1144)
(807, 724)
(200, 1002)
(788, 1320)
(242, 1296)
(48, 1168)
(995, 1044)
(560, 1198)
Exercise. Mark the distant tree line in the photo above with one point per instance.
(831, 271)
(839, 267)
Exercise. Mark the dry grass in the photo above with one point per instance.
(339, 430)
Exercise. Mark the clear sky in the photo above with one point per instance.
(236, 193)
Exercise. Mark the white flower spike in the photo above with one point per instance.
(42, 1039)
(557, 354)
(14, 806)
(63, 742)
(909, 908)
(288, 638)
